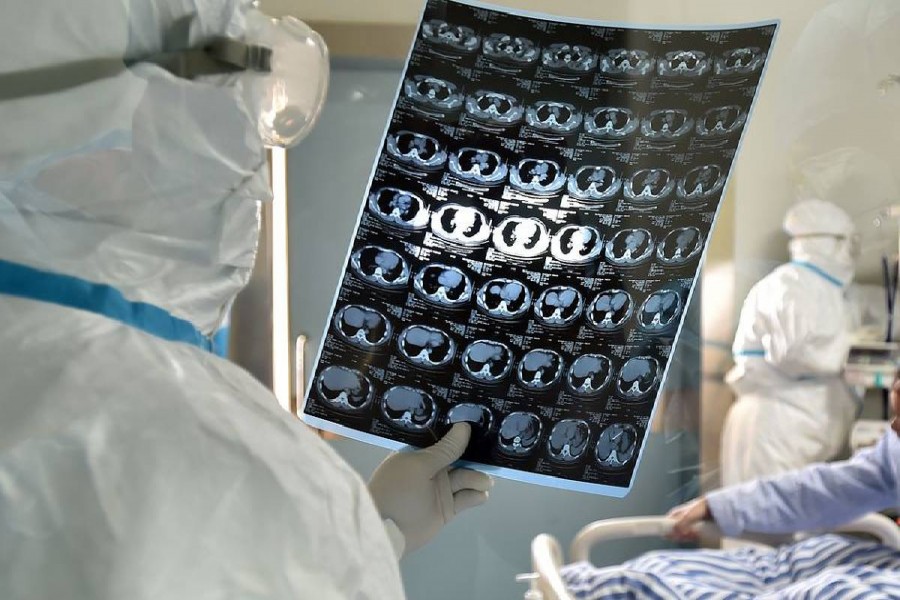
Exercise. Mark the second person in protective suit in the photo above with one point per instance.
(793, 408)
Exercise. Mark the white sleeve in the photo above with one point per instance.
(398, 540)
(820, 496)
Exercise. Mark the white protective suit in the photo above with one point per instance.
(132, 466)
(793, 336)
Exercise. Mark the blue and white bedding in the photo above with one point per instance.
(825, 567)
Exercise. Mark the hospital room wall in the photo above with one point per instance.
(717, 329)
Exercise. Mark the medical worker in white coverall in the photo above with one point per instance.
(134, 463)
(793, 408)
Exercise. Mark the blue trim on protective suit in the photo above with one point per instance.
(101, 299)
(829, 278)
(750, 353)
(220, 341)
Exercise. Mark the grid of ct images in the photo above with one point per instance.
(531, 236)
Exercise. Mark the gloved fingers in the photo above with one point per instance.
(448, 450)
(467, 499)
(467, 479)
(444, 491)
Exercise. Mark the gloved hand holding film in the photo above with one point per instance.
(419, 492)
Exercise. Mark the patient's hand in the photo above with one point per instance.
(686, 516)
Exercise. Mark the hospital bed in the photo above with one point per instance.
(546, 581)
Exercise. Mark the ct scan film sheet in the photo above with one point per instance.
(530, 238)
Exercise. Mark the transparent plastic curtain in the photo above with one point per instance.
(841, 116)
(678, 415)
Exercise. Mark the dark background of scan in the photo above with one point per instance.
(449, 386)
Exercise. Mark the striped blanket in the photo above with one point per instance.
(829, 566)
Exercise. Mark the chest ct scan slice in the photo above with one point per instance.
(683, 64)
(345, 389)
(443, 285)
(611, 122)
(409, 409)
(589, 375)
(576, 244)
(477, 415)
(616, 446)
(433, 93)
(540, 369)
(363, 327)
(630, 247)
(456, 37)
(515, 50)
(721, 121)
(626, 62)
(701, 183)
(461, 225)
(494, 108)
(553, 117)
(559, 306)
(740, 62)
(660, 311)
(481, 167)
(416, 150)
(399, 208)
(638, 377)
(537, 176)
(487, 361)
(519, 434)
(426, 347)
(522, 237)
(568, 440)
(680, 246)
(569, 58)
(504, 298)
(667, 124)
(381, 267)
(594, 183)
(649, 186)
(610, 310)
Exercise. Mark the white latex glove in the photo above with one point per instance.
(418, 493)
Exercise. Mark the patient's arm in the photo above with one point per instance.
(818, 497)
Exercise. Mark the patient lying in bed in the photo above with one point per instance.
(818, 497)
(828, 566)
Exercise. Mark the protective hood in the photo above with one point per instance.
(822, 235)
(832, 257)
(137, 179)
(816, 217)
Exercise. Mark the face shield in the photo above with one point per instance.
(855, 246)
(838, 251)
(293, 93)
(281, 66)
(280, 69)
